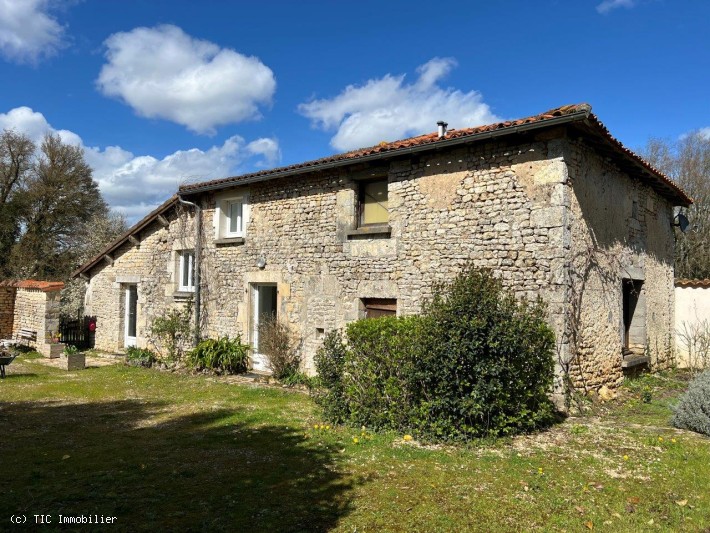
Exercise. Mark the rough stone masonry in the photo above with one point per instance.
(550, 212)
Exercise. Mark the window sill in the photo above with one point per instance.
(183, 295)
(375, 230)
(227, 241)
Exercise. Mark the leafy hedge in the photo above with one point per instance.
(224, 355)
(693, 411)
(476, 363)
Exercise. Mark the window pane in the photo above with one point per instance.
(235, 217)
(374, 202)
(187, 274)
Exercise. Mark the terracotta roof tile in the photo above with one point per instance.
(692, 283)
(33, 284)
(582, 110)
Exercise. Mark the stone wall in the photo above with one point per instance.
(37, 309)
(525, 210)
(619, 229)
(7, 311)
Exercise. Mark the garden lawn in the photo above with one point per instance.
(163, 451)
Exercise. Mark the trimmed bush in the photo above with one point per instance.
(693, 411)
(329, 391)
(140, 357)
(223, 355)
(380, 371)
(487, 364)
(476, 363)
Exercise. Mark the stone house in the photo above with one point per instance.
(552, 203)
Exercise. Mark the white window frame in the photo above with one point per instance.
(222, 217)
(186, 256)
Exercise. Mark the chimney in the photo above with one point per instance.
(442, 128)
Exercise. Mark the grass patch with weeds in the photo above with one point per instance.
(167, 451)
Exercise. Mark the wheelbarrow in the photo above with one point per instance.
(4, 361)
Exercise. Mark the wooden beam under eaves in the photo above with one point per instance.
(85, 276)
(135, 241)
(162, 221)
(108, 259)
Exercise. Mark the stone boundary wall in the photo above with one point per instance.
(692, 323)
(35, 306)
(7, 311)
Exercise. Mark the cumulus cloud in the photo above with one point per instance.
(388, 108)
(27, 30)
(136, 184)
(164, 73)
(609, 5)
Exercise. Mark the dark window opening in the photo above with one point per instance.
(634, 316)
(376, 307)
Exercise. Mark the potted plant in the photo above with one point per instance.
(72, 358)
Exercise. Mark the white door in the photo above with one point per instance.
(131, 315)
(263, 305)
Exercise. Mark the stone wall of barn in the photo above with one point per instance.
(620, 229)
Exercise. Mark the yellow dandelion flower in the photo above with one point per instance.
(355, 440)
(539, 471)
(673, 441)
(315, 426)
(407, 438)
(327, 427)
(626, 457)
(660, 439)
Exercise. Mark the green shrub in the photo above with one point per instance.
(139, 357)
(476, 363)
(693, 411)
(487, 364)
(222, 355)
(330, 362)
(380, 373)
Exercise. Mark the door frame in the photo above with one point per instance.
(127, 339)
(258, 360)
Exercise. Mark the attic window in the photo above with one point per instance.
(373, 203)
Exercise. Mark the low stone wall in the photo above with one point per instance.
(692, 323)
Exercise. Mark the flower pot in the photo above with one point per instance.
(76, 361)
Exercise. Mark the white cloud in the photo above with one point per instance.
(164, 73)
(608, 5)
(27, 31)
(388, 108)
(134, 185)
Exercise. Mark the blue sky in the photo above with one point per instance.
(164, 92)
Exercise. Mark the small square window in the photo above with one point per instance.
(373, 203)
(187, 271)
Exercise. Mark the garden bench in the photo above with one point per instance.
(27, 335)
(4, 361)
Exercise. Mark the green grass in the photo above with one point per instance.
(163, 451)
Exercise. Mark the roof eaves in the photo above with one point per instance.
(133, 230)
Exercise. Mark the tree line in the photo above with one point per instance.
(52, 215)
(687, 162)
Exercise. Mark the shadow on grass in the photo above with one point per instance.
(20, 374)
(196, 472)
